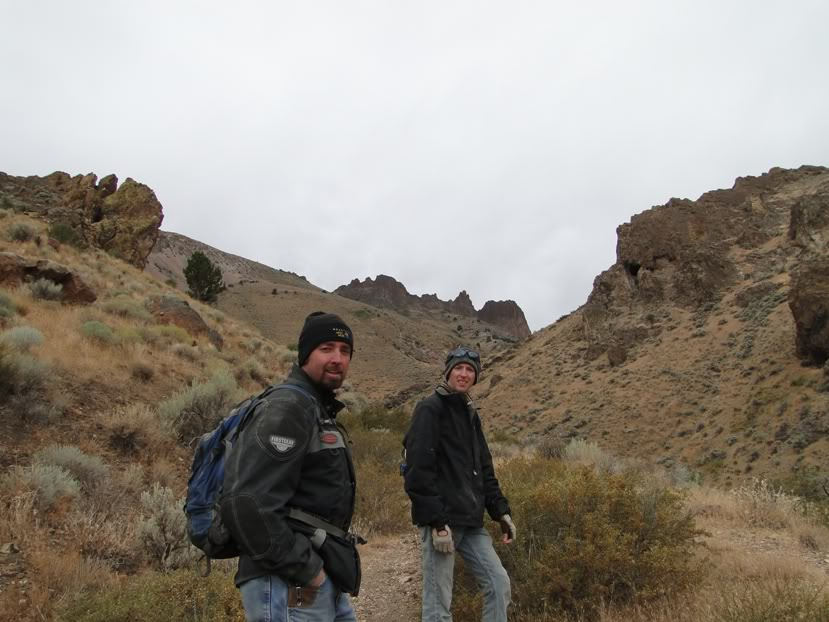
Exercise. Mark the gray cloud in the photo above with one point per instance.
(453, 145)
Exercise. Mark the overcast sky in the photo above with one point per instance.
(486, 146)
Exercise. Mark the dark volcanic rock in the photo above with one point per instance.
(505, 314)
(16, 270)
(809, 302)
(172, 310)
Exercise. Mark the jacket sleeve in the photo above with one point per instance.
(494, 500)
(263, 470)
(422, 473)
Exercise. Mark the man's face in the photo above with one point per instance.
(461, 378)
(328, 364)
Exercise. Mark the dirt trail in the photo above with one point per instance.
(391, 579)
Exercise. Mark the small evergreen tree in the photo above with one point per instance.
(204, 278)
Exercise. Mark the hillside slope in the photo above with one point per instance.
(685, 350)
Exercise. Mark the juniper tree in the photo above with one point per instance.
(204, 278)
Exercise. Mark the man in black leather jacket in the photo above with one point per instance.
(451, 481)
(289, 486)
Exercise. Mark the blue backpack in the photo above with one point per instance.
(204, 521)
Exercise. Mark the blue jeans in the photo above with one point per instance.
(475, 546)
(266, 600)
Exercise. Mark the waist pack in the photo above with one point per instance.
(204, 523)
(336, 547)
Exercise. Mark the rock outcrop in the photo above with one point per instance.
(123, 221)
(684, 254)
(16, 270)
(809, 302)
(506, 314)
(389, 293)
(172, 310)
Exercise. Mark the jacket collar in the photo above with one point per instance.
(323, 395)
(444, 390)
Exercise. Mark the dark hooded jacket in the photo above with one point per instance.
(450, 478)
(290, 455)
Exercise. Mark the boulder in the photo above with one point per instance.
(809, 222)
(16, 270)
(809, 302)
(172, 310)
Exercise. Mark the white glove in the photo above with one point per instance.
(443, 543)
(508, 529)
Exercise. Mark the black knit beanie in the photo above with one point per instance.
(321, 327)
(463, 355)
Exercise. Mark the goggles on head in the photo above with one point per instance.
(462, 353)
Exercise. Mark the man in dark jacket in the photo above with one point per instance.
(289, 486)
(451, 481)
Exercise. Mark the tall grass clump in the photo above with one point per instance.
(180, 595)
(582, 452)
(22, 338)
(89, 471)
(98, 332)
(44, 289)
(124, 307)
(377, 435)
(135, 428)
(199, 408)
(760, 504)
(590, 538)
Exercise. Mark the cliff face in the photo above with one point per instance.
(389, 293)
(122, 220)
(705, 342)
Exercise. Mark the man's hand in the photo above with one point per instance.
(508, 529)
(442, 539)
(317, 581)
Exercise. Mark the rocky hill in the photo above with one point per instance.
(386, 292)
(122, 220)
(704, 343)
(171, 252)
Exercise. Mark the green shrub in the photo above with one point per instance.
(22, 338)
(124, 307)
(7, 306)
(20, 374)
(182, 595)
(172, 334)
(253, 369)
(162, 531)
(44, 289)
(20, 232)
(98, 331)
(377, 417)
(65, 234)
(199, 408)
(49, 483)
(89, 471)
(588, 538)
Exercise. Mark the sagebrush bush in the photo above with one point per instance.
(135, 428)
(162, 532)
(199, 408)
(181, 595)
(376, 417)
(125, 307)
(44, 289)
(65, 234)
(49, 483)
(254, 370)
(22, 338)
(171, 334)
(589, 538)
(88, 470)
(7, 306)
(20, 232)
(583, 452)
(99, 332)
(20, 374)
